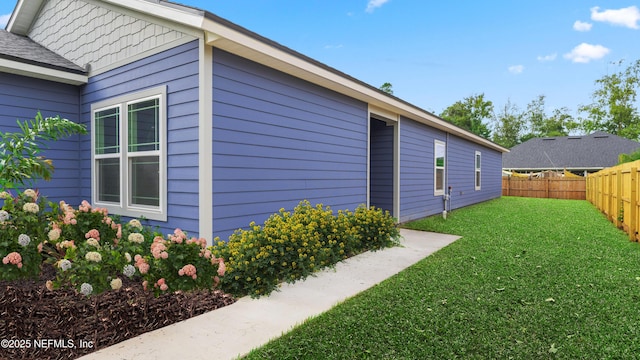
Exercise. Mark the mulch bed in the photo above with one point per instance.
(61, 324)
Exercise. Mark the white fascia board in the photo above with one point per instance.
(39, 72)
(191, 18)
(23, 16)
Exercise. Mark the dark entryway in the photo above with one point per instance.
(381, 165)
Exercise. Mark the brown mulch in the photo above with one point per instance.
(63, 324)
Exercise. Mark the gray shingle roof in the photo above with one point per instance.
(595, 151)
(22, 49)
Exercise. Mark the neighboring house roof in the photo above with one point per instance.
(589, 152)
(225, 35)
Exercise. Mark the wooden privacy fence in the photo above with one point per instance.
(614, 191)
(554, 187)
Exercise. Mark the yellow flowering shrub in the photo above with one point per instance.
(291, 245)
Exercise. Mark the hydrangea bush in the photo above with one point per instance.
(21, 234)
(291, 246)
(93, 252)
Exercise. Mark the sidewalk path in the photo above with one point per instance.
(234, 330)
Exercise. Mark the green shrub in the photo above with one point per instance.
(292, 245)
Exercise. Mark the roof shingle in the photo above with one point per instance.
(22, 49)
(595, 151)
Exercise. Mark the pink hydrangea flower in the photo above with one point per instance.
(141, 264)
(222, 268)
(13, 258)
(178, 236)
(162, 284)
(158, 248)
(84, 206)
(93, 233)
(188, 270)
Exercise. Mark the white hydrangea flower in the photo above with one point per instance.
(93, 256)
(31, 207)
(54, 234)
(86, 289)
(24, 240)
(128, 270)
(64, 264)
(136, 238)
(31, 193)
(135, 223)
(93, 242)
(127, 256)
(116, 284)
(4, 216)
(5, 195)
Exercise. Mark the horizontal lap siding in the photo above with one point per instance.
(20, 99)
(461, 172)
(416, 170)
(176, 68)
(278, 140)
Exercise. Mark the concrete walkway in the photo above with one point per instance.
(234, 330)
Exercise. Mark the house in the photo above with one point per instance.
(578, 154)
(198, 123)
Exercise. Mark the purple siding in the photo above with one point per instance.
(461, 172)
(416, 170)
(176, 68)
(417, 167)
(278, 140)
(20, 99)
(381, 169)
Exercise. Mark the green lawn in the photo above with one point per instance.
(529, 279)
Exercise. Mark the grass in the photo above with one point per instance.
(529, 279)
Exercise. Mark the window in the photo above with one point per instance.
(129, 154)
(478, 169)
(439, 167)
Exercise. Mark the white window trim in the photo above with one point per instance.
(477, 174)
(436, 191)
(124, 207)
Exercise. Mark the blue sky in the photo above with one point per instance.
(435, 53)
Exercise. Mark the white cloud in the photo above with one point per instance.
(374, 4)
(584, 53)
(516, 69)
(549, 57)
(4, 19)
(582, 26)
(627, 17)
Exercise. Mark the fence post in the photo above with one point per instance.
(634, 206)
(619, 201)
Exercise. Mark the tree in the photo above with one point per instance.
(470, 114)
(539, 124)
(509, 126)
(19, 152)
(613, 109)
(387, 87)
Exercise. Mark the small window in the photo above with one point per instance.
(129, 154)
(440, 150)
(478, 169)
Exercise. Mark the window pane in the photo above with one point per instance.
(145, 180)
(107, 131)
(477, 161)
(439, 179)
(108, 179)
(477, 178)
(440, 150)
(143, 126)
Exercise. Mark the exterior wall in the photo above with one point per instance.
(278, 140)
(178, 70)
(20, 99)
(416, 170)
(381, 168)
(89, 34)
(461, 172)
